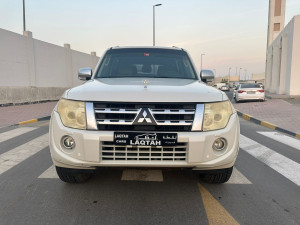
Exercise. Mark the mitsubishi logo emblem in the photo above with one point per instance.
(148, 120)
(144, 117)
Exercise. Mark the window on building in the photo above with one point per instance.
(276, 26)
(277, 8)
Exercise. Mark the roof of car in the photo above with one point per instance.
(154, 47)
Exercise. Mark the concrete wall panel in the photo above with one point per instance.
(33, 70)
(50, 65)
(13, 59)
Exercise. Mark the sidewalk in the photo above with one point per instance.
(10, 115)
(279, 112)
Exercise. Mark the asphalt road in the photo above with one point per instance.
(264, 189)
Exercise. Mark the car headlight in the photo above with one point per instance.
(216, 115)
(72, 113)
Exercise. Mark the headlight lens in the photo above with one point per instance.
(72, 113)
(216, 115)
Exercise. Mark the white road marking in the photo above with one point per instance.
(142, 175)
(293, 142)
(14, 133)
(19, 154)
(237, 178)
(49, 173)
(283, 165)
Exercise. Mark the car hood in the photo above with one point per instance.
(137, 90)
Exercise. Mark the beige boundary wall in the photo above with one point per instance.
(283, 57)
(32, 70)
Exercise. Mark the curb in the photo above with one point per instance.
(267, 124)
(31, 121)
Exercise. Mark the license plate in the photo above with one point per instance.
(251, 92)
(145, 139)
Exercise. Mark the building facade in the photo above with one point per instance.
(283, 61)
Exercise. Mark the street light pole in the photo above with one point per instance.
(215, 72)
(154, 23)
(201, 60)
(24, 24)
(245, 74)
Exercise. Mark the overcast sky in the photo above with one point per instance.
(231, 33)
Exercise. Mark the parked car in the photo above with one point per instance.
(225, 88)
(144, 107)
(244, 92)
(218, 85)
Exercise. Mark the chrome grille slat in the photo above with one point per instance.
(175, 112)
(173, 123)
(108, 110)
(119, 122)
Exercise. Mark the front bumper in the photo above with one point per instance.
(88, 149)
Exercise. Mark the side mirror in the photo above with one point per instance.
(207, 75)
(85, 73)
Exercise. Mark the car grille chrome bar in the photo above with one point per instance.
(173, 123)
(109, 151)
(117, 122)
(167, 116)
(128, 111)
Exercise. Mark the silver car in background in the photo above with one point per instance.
(245, 92)
(225, 88)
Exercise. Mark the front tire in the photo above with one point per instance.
(217, 176)
(73, 175)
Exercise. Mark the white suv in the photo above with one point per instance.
(144, 107)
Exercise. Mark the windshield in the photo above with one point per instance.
(146, 62)
(250, 86)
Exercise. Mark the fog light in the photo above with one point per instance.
(68, 142)
(220, 144)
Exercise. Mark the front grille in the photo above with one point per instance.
(121, 116)
(109, 151)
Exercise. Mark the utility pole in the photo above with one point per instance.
(24, 24)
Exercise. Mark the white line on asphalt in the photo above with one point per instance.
(14, 133)
(293, 142)
(19, 154)
(237, 178)
(49, 173)
(283, 165)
